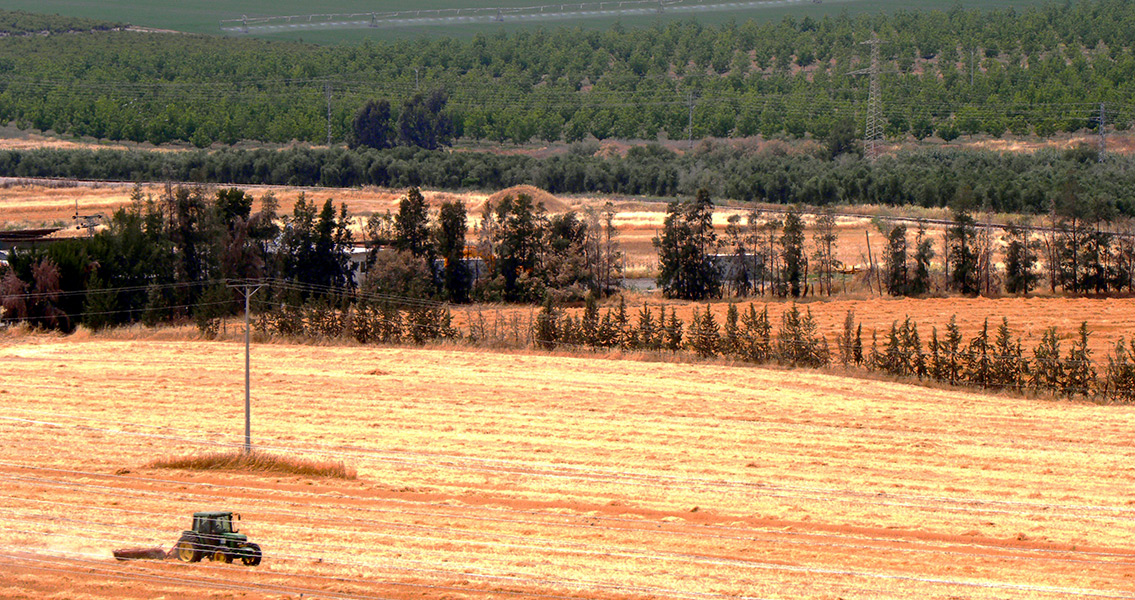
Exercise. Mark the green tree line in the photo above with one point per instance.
(170, 258)
(1082, 248)
(1002, 182)
(15, 22)
(954, 72)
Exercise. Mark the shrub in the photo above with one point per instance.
(264, 462)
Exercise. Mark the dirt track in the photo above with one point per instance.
(508, 476)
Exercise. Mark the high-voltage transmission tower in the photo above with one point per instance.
(1102, 120)
(873, 127)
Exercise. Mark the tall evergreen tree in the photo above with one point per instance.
(546, 331)
(1020, 261)
(896, 261)
(450, 239)
(1120, 375)
(649, 332)
(963, 252)
(1048, 367)
(411, 225)
(673, 332)
(1079, 373)
(684, 246)
(923, 255)
(979, 359)
(792, 253)
(518, 243)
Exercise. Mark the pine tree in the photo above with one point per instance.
(569, 332)
(100, 306)
(420, 325)
(1079, 374)
(684, 246)
(952, 358)
(1048, 369)
(936, 369)
(607, 335)
(546, 331)
(444, 320)
(624, 336)
(156, 309)
(847, 339)
(923, 254)
(648, 333)
(792, 252)
(673, 332)
(1008, 364)
(857, 350)
(1120, 375)
(892, 360)
(704, 334)
(895, 258)
(756, 335)
(731, 343)
(211, 308)
(798, 342)
(450, 241)
(589, 322)
(1020, 261)
(875, 361)
(979, 362)
(912, 355)
(817, 354)
(963, 252)
(788, 337)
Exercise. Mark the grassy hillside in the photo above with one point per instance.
(205, 17)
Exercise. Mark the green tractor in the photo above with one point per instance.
(214, 536)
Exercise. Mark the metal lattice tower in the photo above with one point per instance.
(873, 128)
(1103, 131)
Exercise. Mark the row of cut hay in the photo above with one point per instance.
(263, 462)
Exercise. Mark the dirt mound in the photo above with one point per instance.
(539, 196)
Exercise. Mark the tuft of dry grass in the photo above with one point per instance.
(263, 462)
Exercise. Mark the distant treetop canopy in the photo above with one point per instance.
(1058, 68)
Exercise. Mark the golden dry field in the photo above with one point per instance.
(485, 475)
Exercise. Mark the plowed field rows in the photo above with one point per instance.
(487, 475)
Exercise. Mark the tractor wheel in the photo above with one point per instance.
(222, 556)
(187, 550)
(250, 554)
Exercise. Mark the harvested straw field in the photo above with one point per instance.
(484, 475)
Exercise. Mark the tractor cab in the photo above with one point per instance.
(217, 525)
(215, 535)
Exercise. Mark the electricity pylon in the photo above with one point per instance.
(873, 127)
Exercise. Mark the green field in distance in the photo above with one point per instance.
(205, 16)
